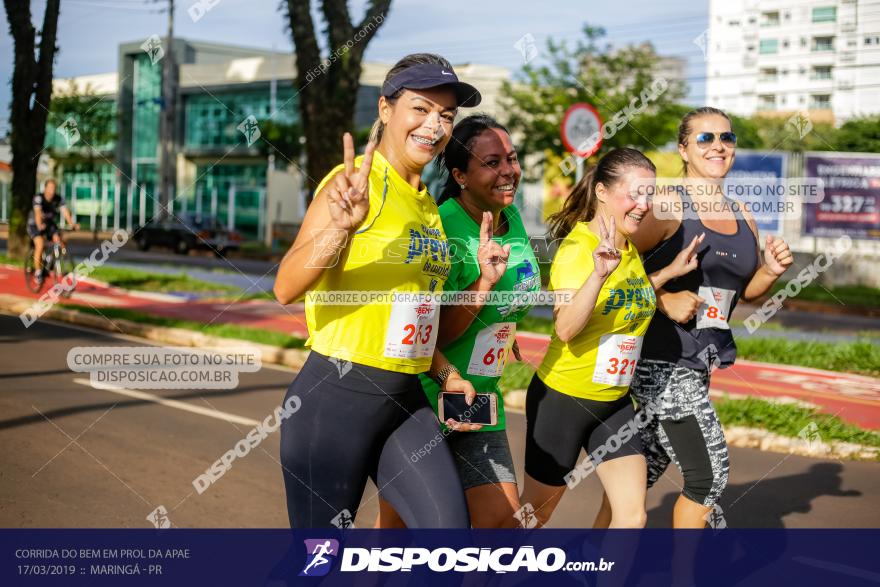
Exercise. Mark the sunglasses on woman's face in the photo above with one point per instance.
(707, 139)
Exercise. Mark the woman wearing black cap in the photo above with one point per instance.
(370, 253)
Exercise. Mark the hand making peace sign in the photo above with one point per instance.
(348, 192)
(606, 257)
(491, 256)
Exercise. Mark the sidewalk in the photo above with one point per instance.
(853, 398)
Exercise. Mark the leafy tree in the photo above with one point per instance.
(785, 133)
(328, 87)
(281, 140)
(611, 79)
(860, 135)
(31, 99)
(747, 132)
(94, 118)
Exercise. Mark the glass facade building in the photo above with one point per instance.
(214, 163)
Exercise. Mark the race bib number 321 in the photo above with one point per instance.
(616, 359)
(412, 328)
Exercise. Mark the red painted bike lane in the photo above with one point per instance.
(853, 398)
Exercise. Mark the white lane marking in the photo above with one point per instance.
(171, 403)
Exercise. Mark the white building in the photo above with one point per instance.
(785, 56)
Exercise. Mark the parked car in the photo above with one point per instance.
(189, 231)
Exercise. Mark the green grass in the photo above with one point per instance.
(852, 357)
(532, 323)
(789, 420)
(6, 259)
(146, 281)
(157, 282)
(516, 376)
(783, 419)
(849, 295)
(257, 335)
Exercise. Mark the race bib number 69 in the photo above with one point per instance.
(412, 328)
(491, 347)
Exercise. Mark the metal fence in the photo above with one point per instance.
(111, 205)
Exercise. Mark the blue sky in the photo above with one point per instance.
(483, 31)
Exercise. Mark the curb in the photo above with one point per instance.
(743, 437)
(294, 358)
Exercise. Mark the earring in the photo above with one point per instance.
(462, 186)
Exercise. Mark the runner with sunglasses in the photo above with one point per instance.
(690, 334)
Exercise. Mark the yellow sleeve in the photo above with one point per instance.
(327, 177)
(572, 264)
(337, 169)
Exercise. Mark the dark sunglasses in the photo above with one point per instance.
(707, 139)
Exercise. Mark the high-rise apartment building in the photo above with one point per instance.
(783, 56)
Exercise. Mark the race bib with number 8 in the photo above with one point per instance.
(412, 329)
(491, 348)
(616, 359)
(714, 311)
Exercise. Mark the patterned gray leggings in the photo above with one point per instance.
(684, 429)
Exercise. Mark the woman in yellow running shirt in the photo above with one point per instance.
(369, 257)
(579, 397)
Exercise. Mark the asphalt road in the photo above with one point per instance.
(75, 456)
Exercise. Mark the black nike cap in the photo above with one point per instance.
(432, 75)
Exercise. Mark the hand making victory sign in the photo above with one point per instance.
(348, 196)
(606, 257)
(491, 256)
(687, 260)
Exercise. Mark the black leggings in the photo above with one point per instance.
(357, 421)
(558, 425)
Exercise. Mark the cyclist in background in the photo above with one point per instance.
(42, 222)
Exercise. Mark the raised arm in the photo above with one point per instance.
(777, 258)
(337, 211)
(570, 318)
(492, 258)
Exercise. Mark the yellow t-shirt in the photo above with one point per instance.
(599, 362)
(400, 247)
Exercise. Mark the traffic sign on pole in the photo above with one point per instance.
(581, 130)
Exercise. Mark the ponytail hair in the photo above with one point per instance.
(457, 153)
(581, 204)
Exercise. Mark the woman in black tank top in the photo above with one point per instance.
(690, 332)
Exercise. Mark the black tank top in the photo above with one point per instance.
(727, 264)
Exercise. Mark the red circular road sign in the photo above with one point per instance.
(581, 129)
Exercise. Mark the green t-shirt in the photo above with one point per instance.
(481, 352)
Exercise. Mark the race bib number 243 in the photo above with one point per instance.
(412, 329)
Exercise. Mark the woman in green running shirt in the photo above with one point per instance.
(490, 251)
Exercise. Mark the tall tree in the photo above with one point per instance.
(612, 79)
(328, 87)
(94, 118)
(859, 135)
(31, 96)
(91, 147)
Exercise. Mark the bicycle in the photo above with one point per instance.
(57, 261)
